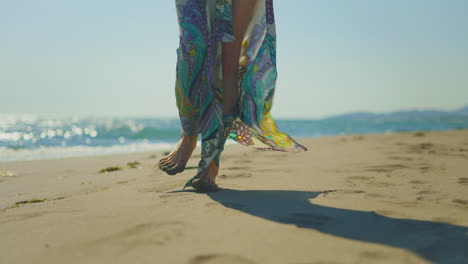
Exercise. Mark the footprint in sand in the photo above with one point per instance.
(237, 168)
(417, 182)
(462, 181)
(21, 217)
(162, 187)
(381, 184)
(360, 178)
(376, 195)
(236, 176)
(173, 195)
(427, 192)
(26, 216)
(243, 161)
(401, 158)
(424, 169)
(359, 137)
(350, 180)
(141, 235)
(324, 193)
(263, 170)
(274, 155)
(438, 149)
(460, 202)
(386, 167)
(421, 147)
(220, 258)
(458, 152)
(368, 180)
(186, 197)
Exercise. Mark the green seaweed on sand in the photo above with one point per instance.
(30, 201)
(419, 134)
(21, 203)
(125, 181)
(122, 182)
(166, 153)
(110, 169)
(134, 165)
(98, 190)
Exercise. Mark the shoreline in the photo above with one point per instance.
(364, 195)
(171, 145)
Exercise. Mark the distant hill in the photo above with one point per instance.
(405, 114)
(463, 111)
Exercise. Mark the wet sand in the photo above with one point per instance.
(381, 198)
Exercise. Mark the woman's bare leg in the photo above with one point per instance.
(242, 11)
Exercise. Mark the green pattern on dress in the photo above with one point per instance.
(204, 25)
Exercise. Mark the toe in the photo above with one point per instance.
(163, 160)
(163, 165)
(166, 165)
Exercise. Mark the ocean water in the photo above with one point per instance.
(32, 137)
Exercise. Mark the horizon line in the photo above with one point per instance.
(84, 115)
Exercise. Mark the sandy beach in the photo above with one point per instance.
(375, 198)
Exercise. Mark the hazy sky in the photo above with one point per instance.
(118, 57)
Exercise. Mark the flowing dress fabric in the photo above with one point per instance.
(203, 26)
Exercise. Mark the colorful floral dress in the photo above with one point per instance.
(203, 26)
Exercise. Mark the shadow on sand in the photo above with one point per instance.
(435, 242)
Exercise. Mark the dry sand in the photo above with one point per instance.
(384, 198)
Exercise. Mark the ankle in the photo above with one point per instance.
(212, 172)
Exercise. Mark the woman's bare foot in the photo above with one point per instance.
(176, 160)
(207, 181)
